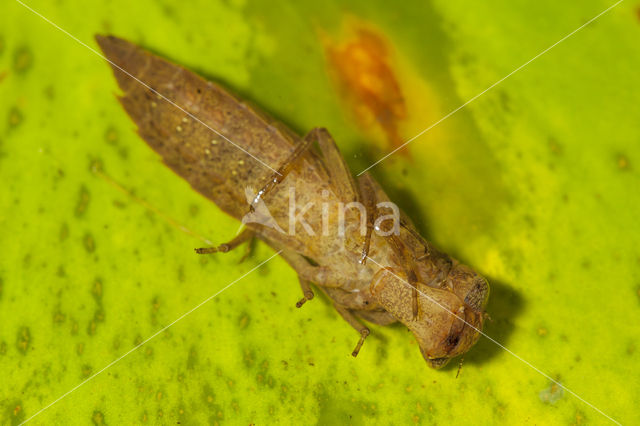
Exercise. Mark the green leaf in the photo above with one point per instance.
(534, 183)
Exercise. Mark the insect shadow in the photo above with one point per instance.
(504, 305)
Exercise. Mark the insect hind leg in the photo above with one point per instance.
(306, 291)
(355, 323)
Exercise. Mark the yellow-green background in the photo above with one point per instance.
(536, 186)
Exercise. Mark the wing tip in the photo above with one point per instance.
(114, 48)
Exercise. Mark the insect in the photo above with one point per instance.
(347, 238)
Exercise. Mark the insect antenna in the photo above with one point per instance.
(459, 367)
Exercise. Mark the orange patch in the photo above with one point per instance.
(361, 67)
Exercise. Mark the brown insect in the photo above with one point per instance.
(352, 243)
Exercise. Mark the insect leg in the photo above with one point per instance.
(282, 171)
(341, 177)
(244, 236)
(368, 196)
(306, 291)
(355, 323)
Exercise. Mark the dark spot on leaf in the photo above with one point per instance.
(555, 147)
(91, 327)
(249, 358)
(505, 101)
(96, 290)
(579, 418)
(3, 347)
(192, 359)
(155, 306)
(83, 201)
(85, 371)
(530, 221)
(123, 152)
(89, 243)
(24, 340)
(98, 314)
(138, 340)
(22, 59)
(181, 410)
(111, 135)
(60, 272)
(49, 92)
(623, 162)
(217, 416)
(244, 320)
(98, 418)
(64, 232)
(208, 396)
(263, 377)
(58, 316)
(26, 261)
(15, 117)
(96, 165)
(181, 274)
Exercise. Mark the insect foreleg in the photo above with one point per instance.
(244, 236)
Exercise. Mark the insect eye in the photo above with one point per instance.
(452, 340)
(478, 294)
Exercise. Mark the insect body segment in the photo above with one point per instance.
(353, 243)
